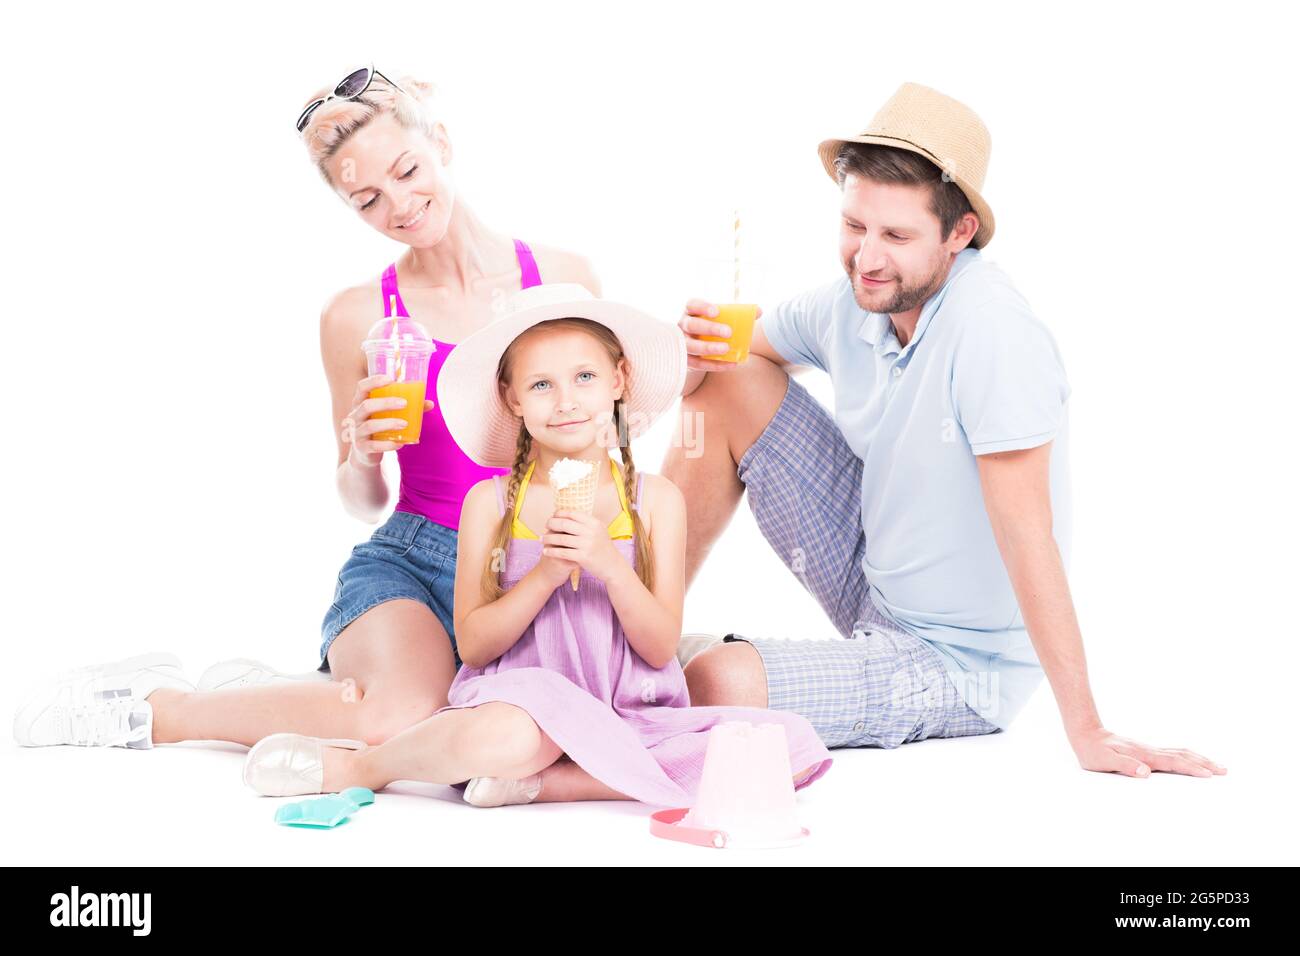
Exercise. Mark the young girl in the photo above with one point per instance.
(564, 694)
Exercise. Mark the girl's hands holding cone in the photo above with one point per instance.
(555, 571)
(581, 540)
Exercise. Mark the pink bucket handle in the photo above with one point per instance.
(664, 824)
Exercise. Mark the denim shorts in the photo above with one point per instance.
(408, 556)
(875, 684)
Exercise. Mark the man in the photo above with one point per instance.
(929, 516)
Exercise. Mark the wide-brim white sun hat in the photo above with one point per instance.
(472, 405)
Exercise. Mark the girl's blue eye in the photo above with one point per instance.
(543, 381)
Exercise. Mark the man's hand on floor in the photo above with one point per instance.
(1099, 749)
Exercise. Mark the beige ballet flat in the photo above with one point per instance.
(499, 791)
(288, 765)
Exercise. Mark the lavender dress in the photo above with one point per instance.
(626, 723)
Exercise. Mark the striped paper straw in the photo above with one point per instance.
(735, 256)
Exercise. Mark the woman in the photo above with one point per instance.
(387, 639)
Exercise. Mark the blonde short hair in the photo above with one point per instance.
(333, 124)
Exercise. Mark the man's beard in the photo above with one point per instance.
(905, 297)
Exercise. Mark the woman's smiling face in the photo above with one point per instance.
(397, 181)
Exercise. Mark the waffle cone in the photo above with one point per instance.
(580, 496)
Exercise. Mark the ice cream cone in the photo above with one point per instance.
(574, 483)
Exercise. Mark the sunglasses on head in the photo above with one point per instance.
(349, 88)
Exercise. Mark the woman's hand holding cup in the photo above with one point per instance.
(358, 427)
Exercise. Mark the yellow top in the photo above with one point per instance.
(619, 529)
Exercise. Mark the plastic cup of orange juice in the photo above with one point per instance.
(740, 316)
(399, 348)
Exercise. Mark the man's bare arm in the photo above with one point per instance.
(1018, 500)
(1017, 497)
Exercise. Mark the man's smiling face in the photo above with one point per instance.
(891, 245)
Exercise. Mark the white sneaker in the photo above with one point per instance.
(289, 765)
(244, 672)
(102, 705)
(499, 791)
(692, 644)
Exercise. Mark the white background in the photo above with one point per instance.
(169, 464)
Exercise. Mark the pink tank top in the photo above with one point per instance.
(436, 474)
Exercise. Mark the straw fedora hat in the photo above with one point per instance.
(472, 406)
(947, 133)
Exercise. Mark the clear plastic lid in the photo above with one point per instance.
(398, 346)
(398, 333)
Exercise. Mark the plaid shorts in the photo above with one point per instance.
(875, 685)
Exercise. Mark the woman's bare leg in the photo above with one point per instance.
(244, 715)
(392, 668)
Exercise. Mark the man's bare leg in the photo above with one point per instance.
(727, 675)
(719, 421)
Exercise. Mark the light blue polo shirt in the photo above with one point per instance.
(982, 374)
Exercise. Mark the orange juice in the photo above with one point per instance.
(741, 319)
(413, 392)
